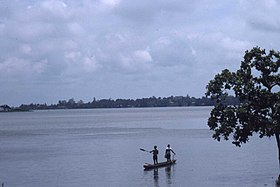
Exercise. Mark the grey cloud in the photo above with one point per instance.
(172, 52)
(124, 48)
(262, 15)
(147, 12)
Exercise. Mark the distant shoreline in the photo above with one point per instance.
(172, 101)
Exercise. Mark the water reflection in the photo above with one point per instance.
(156, 183)
(161, 176)
(168, 175)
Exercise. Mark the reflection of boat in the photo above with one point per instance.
(161, 164)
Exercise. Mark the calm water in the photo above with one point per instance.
(100, 147)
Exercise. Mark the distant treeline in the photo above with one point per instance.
(171, 101)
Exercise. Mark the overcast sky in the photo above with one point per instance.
(54, 50)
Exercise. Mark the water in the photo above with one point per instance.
(100, 147)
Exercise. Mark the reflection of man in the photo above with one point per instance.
(156, 177)
(168, 174)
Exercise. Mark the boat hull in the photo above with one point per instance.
(161, 164)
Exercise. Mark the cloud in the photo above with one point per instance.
(15, 68)
(25, 49)
(262, 15)
(126, 48)
(142, 55)
(136, 61)
(90, 64)
(111, 3)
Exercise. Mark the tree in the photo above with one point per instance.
(257, 86)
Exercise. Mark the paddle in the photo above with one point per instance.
(144, 150)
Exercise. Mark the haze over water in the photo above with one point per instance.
(100, 147)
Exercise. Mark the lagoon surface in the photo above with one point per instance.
(100, 147)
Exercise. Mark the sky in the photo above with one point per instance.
(53, 50)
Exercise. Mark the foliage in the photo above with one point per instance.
(256, 84)
(128, 103)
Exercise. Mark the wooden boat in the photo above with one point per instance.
(160, 164)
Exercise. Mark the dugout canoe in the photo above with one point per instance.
(160, 164)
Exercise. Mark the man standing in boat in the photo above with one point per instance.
(155, 154)
(168, 151)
